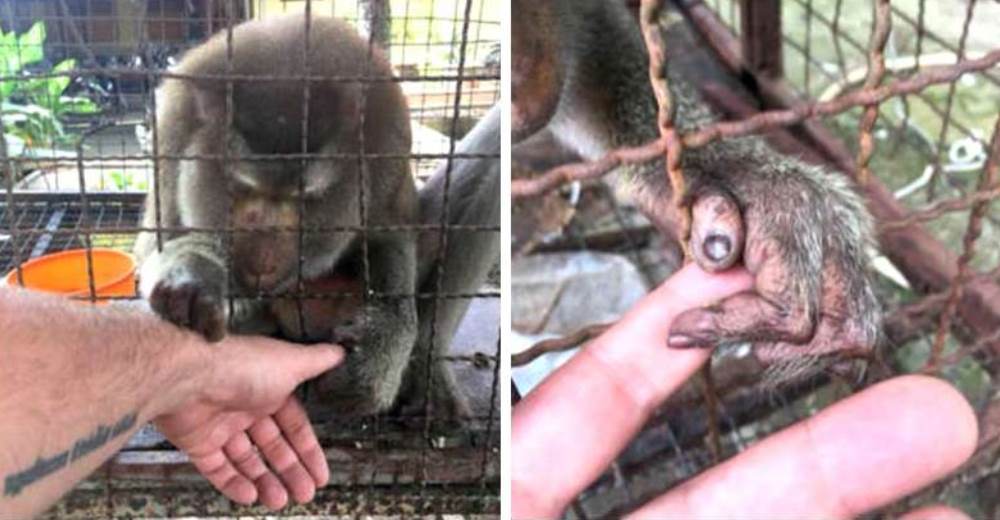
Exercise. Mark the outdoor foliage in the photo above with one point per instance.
(33, 103)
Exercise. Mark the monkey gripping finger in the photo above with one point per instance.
(717, 231)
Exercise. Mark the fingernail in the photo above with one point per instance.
(680, 341)
(717, 246)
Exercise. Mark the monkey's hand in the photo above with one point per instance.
(805, 244)
(185, 285)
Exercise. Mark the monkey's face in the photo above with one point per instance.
(270, 216)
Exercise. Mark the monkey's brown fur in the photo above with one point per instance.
(805, 230)
(186, 282)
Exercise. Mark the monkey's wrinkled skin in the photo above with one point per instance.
(802, 231)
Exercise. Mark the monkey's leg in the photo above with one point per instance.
(185, 284)
(368, 381)
(474, 200)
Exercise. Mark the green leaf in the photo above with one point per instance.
(77, 105)
(30, 45)
(58, 84)
(6, 88)
(8, 53)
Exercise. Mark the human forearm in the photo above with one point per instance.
(75, 382)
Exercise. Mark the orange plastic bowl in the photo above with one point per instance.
(65, 273)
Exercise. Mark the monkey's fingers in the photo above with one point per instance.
(717, 231)
(190, 305)
(780, 308)
(787, 363)
(848, 329)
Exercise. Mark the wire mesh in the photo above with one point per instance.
(904, 97)
(80, 153)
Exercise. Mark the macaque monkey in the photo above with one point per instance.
(580, 79)
(245, 209)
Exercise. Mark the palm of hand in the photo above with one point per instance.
(229, 447)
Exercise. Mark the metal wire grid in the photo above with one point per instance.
(389, 464)
(940, 311)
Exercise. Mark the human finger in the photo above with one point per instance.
(620, 377)
(857, 455)
(296, 428)
(244, 456)
(935, 512)
(279, 455)
(218, 470)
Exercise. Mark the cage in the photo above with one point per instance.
(79, 157)
(800, 73)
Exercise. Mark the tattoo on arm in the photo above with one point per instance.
(45, 466)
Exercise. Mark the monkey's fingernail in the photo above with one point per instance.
(680, 341)
(717, 246)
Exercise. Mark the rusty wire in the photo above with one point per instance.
(987, 180)
(649, 19)
(876, 71)
(562, 175)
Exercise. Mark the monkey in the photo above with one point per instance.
(580, 80)
(287, 219)
(460, 268)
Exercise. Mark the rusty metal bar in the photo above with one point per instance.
(790, 112)
(760, 36)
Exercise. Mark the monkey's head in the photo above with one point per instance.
(258, 183)
(269, 213)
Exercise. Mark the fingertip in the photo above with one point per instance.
(242, 492)
(338, 353)
(317, 359)
(321, 474)
(945, 408)
(305, 494)
(273, 495)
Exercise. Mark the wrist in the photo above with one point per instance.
(186, 365)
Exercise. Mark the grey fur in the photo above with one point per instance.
(186, 281)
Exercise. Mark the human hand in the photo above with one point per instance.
(244, 414)
(856, 455)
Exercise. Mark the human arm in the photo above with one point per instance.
(76, 382)
(624, 374)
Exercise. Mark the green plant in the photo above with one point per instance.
(33, 103)
(127, 181)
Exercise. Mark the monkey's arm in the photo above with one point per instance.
(185, 284)
(386, 264)
(371, 376)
